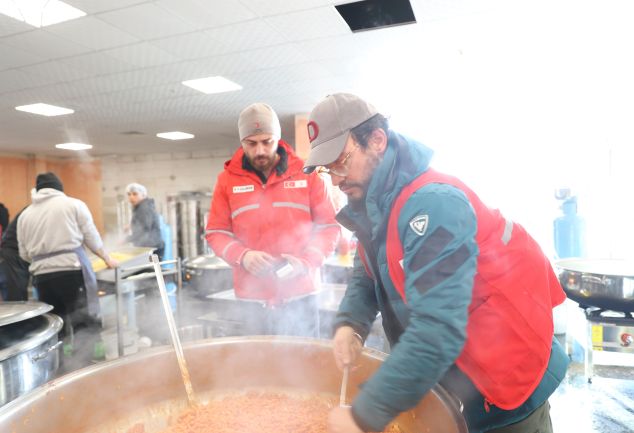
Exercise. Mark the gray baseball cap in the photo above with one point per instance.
(329, 126)
(258, 118)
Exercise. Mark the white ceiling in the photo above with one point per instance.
(121, 66)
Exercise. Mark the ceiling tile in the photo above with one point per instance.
(143, 55)
(55, 72)
(311, 24)
(95, 6)
(10, 26)
(278, 55)
(276, 7)
(11, 57)
(97, 64)
(45, 45)
(247, 35)
(192, 45)
(13, 80)
(201, 15)
(146, 21)
(92, 32)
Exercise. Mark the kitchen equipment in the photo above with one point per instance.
(344, 386)
(604, 290)
(147, 388)
(176, 342)
(187, 214)
(607, 284)
(12, 312)
(28, 347)
(207, 274)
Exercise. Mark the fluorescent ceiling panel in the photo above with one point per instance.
(39, 13)
(74, 146)
(210, 85)
(45, 109)
(175, 135)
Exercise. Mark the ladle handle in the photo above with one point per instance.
(344, 386)
(178, 348)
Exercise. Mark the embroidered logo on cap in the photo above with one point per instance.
(419, 224)
(313, 131)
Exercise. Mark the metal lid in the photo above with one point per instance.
(21, 337)
(11, 312)
(206, 261)
(613, 267)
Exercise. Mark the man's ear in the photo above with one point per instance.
(377, 141)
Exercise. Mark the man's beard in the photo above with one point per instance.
(358, 204)
(263, 163)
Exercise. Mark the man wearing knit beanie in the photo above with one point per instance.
(48, 180)
(274, 224)
(52, 233)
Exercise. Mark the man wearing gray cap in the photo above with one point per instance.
(465, 295)
(274, 224)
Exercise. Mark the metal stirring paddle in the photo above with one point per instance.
(344, 386)
(178, 348)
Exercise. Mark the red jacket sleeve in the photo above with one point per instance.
(326, 230)
(219, 230)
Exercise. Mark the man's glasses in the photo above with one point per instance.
(340, 168)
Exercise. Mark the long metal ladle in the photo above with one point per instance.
(178, 348)
(344, 386)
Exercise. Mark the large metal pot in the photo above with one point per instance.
(147, 388)
(208, 274)
(28, 355)
(606, 284)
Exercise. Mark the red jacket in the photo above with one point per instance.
(291, 214)
(510, 326)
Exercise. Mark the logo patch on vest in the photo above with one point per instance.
(296, 184)
(419, 224)
(243, 188)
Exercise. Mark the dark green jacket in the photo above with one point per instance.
(427, 334)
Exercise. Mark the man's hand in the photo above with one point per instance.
(340, 420)
(257, 262)
(298, 265)
(346, 346)
(110, 262)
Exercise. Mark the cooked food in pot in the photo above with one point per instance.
(257, 412)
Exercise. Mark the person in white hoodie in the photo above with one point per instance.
(52, 232)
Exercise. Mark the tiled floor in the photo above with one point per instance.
(604, 406)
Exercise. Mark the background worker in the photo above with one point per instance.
(52, 233)
(264, 212)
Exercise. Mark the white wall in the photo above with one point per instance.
(161, 174)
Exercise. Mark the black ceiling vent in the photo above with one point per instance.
(132, 133)
(376, 14)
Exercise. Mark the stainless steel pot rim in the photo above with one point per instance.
(12, 312)
(53, 325)
(612, 267)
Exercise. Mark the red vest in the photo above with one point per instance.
(510, 324)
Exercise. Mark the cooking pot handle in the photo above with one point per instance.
(44, 354)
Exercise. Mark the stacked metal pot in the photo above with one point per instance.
(28, 347)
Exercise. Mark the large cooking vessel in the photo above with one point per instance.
(607, 284)
(28, 347)
(207, 274)
(114, 396)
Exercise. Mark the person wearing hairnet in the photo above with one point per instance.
(145, 226)
(465, 295)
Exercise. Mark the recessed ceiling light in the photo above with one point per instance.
(209, 85)
(74, 146)
(175, 135)
(40, 13)
(45, 109)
